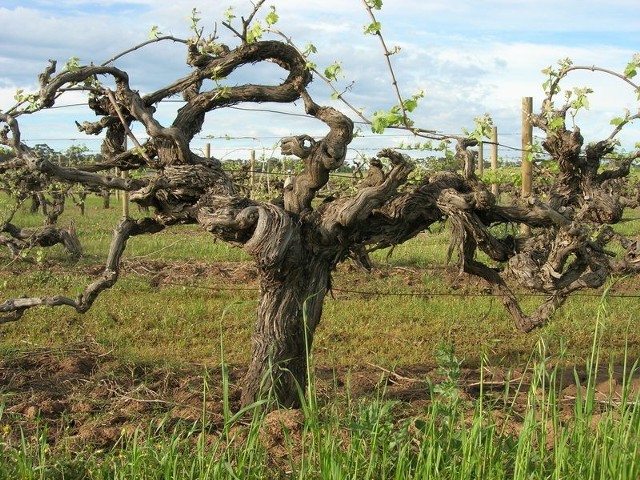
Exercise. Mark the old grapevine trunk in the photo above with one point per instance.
(288, 314)
(295, 255)
(294, 278)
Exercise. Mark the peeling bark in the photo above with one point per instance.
(319, 158)
(294, 280)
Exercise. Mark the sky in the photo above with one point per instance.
(468, 57)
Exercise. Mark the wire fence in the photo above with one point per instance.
(382, 293)
(260, 138)
(356, 152)
(398, 139)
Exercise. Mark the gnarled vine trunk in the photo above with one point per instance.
(289, 311)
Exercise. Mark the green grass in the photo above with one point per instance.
(528, 430)
(451, 437)
(178, 319)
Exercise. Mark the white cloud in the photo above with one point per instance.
(470, 58)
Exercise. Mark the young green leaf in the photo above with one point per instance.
(309, 49)
(373, 28)
(272, 17)
(255, 32)
(195, 19)
(410, 104)
(73, 64)
(154, 32)
(556, 123)
(379, 122)
(631, 69)
(228, 14)
(333, 71)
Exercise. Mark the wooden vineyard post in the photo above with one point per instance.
(125, 194)
(494, 157)
(527, 163)
(527, 139)
(480, 159)
(117, 174)
(252, 169)
(207, 150)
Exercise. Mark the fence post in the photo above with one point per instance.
(480, 159)
(125, 196)
(207, 150)
(252, 169)
(527, 140)
(494, 157)
(527, 163)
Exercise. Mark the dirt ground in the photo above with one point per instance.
(87, 397)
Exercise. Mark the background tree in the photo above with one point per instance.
(296, 241)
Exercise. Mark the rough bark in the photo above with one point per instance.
(294, 280)
(319, 158)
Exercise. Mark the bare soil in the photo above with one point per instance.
(87, 397)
